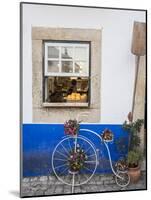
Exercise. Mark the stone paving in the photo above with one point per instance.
(50, 185)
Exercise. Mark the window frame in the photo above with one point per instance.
(60, 59)
(70, 43)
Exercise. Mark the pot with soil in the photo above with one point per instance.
(133, 165)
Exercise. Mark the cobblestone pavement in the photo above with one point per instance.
(50, 185)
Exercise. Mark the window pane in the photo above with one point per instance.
(66, 89)
(67, 52)
(80, 53)
(67, 66)
(81, 67)
(53, 52)
(53, 66)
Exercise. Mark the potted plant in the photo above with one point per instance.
(134, 153)
(133, 160)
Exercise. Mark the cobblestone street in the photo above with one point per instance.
(50, 185)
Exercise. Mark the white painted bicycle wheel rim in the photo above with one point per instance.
(96, 161)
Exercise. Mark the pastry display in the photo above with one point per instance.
(76, 97)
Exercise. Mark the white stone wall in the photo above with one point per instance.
(118, 63)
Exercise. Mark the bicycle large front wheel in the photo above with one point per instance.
(74, 160)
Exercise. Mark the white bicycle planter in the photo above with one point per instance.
(61, 155)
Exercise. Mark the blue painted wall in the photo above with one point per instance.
(39, 140)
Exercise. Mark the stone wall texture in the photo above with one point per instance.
(59, 115)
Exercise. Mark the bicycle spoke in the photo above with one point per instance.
(64, 170)
(87, 149)
(65, 149)
(69, 144)
(62, 154)
(90, 161)
(61, 166)
(88, 169)
(91, 155)
(60, 159)
(82, 144)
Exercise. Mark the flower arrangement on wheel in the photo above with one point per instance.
(71, 127)
(107, 135)
(77, 159)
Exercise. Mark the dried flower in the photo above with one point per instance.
(130, 117)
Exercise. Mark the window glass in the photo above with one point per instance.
(66, 77)
(67, 66)
(53, 66)
(80, 53)
(67, 89)
(53, 52)
(67, 52)
(81, 67)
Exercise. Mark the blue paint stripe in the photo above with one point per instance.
(39, 140)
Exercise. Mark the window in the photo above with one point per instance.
(66, 73)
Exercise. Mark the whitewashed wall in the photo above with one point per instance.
(117, 61)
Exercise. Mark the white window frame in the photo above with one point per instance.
(65, 44)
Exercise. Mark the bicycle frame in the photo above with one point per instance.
(117, 173)
(108, 150)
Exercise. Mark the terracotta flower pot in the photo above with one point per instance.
(134, 174)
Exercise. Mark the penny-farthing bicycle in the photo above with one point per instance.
(75, 158)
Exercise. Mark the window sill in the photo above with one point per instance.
(72, 104)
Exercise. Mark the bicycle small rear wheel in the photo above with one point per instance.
(122, 179)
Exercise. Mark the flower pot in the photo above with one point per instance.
(108, 141)
(134, 174)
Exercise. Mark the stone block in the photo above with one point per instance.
(50, 190)
(37, 50)
(59, 189)
(43, 178)
(25, 180)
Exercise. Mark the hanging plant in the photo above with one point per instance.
(107, 135)
(71, 127)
